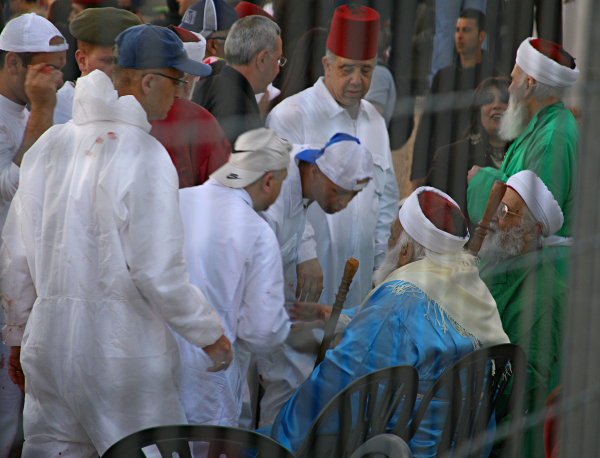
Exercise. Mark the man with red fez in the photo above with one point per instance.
(429, 308)
(191, 135)
(545, 134)
(336, 104)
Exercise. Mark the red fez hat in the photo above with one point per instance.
(554, 52)
(248, 9)
(354, 32)
(442, 213)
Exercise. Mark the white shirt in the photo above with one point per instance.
(63, 112)
(233, 257)
(362, 229)
(93, 237)
(13, 121)
(287, 218)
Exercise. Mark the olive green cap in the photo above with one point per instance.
(100, 26)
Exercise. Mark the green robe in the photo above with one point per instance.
(548, 147)
(530, 295)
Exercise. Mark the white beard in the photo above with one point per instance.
(514, 120)
(501, 245)
(389, 264)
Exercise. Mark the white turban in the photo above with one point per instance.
(197, 49)
(544, 69)
(539, 200)
(422, 230)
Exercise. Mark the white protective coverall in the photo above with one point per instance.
(92, 273)
(360, 231)
(233, 257)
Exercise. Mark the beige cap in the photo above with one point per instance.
(255, 152)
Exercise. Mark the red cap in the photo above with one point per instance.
(185, 35)
(553, 51)
(248, 9)
(443, 214)
(354, 32)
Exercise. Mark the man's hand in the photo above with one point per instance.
(14, 368)
(41, 83)
(310, 281)
(220, 353)
(309, 311)
(472, 172)
(302, 339)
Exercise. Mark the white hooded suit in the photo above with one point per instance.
(92, 274)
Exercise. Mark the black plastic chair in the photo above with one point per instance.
(231, 442)
(473, 386)
(386, 445)
(375, 409)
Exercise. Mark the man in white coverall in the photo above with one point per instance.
(332, 176)
(233, 257)
(92, 272)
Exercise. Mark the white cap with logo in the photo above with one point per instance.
(255, 152)
(31, 33)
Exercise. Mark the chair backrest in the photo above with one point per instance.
(230, 442)
(377, 397)
(386, 445)
(474, 386)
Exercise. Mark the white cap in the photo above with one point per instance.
(196, 50)
(538, 198)
(30, 33)
(438, 206)
(343, 160)
(541, 67)
(255, 152)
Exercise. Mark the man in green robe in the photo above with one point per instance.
(529, 291)
(545, 134)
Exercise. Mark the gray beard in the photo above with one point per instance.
(389, 264)
(503, 245)
(513, 121)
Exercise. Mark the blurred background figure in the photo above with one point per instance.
(481, 144)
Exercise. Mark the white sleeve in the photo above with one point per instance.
(152, 242)
(389, 202)
(307, 249)
(9, 171)
(263, 322)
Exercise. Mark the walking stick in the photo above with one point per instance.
(496, 195)
(340, 298)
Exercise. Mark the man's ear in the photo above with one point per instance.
(260, 59)
(406, 254)
(81, 58)
(146, 83)
(481, 37)
(530, 84)
(12, 63)
(212, 48)
(326, 66)
(267, 182)
(533, 232)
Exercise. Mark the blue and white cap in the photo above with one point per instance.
(208, 16)
(343, 160)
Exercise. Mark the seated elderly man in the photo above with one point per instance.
(429, 309)
(528, 289)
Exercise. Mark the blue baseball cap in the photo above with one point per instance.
(208, 16)
(343, 160)
(150, 46)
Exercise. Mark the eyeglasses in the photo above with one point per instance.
(282, 61)
(178, 82)
(503, 211)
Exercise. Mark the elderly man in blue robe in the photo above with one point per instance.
(429, 309)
